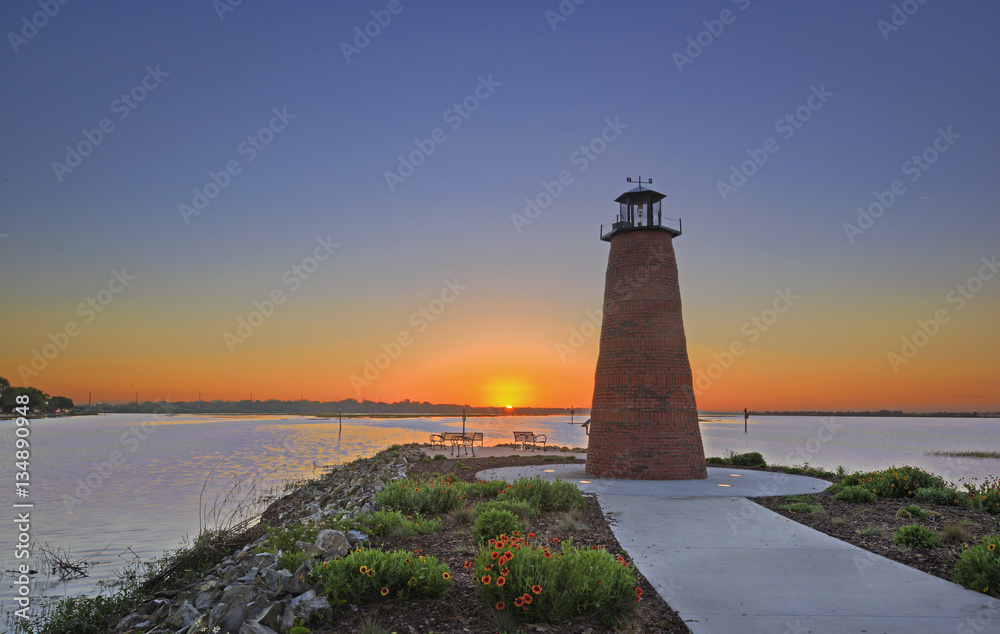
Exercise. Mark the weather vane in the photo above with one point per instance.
(638, 180)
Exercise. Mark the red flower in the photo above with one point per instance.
(500, 605)
(548, 555)
(537, 589)
(638, 592)
(494, 555)
(501, 581)
(527, 598)
(519, 602)
(531, 535)
(486, 579)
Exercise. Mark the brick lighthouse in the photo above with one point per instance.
(644, 422)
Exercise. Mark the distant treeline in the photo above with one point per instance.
(349, 407)
(883, 412)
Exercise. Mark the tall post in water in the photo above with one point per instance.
(644, 421)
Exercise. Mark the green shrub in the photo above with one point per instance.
(439, 456)
(916, 536)
(424, 497)
(979, 567)
(394, 524)
(368, 575)
(750, 459)
(912, 510)
(492, 523)
(281, 541)
(715, 460)
(485, 488)
(531, 584)
(834, 489)
(894, 482)
(984, 497)
(954, 534)
(549, 495)
(943, 496)
(523, 509)
(855, 495)
(803, 507)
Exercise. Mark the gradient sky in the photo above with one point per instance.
(692, 112)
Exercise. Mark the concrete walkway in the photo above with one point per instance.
(729, 565)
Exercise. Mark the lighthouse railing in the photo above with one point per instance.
(671, 224)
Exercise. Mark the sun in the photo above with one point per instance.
(510, 407)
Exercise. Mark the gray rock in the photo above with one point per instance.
(311, 550)
(296, 583)
(207, 598)
(316, 606)
(264, 560)
(272, 578)
(129, 622)
(185, 615)
(238, 591)
(333, 543)
(355, 538)
(271, 615)
(250, 627)
(234, 616)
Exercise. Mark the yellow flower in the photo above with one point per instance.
(385, 591)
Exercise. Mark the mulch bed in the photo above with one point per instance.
(843, 521)
(462, 610)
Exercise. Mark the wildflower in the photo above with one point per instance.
(363, 570)
(371, 573)
(531, 535)
(548, 555)
(445, 575)
(519, 602)
(494, 555)
(385, 591)
(505, 572)
(488, 568)
(501, 605)
(500, 581)
(991, 546)
(638, 591)
(486, 580)
(468, 565)
(537, 589)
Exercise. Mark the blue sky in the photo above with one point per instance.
(218, 80)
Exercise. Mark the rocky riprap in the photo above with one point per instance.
(246, 593)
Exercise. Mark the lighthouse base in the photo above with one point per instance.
(645, 446)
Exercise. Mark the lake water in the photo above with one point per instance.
(105, 484)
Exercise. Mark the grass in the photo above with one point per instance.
(570, 523)
(964, 454)
(955, 534)
(871, 529)
(803, 507)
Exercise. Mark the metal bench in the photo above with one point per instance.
(525, 438)
(442, 439)
(463, 441)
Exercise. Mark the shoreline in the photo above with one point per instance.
(428, 464)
